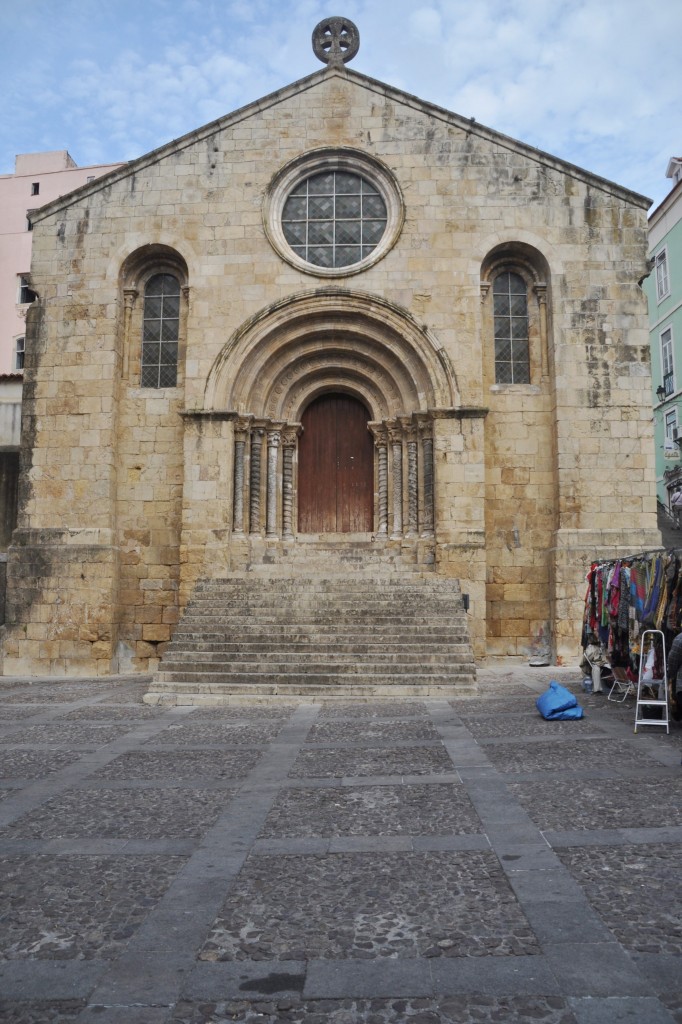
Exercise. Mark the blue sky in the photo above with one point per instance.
(595, 82)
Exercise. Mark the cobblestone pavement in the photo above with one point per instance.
(428, 862)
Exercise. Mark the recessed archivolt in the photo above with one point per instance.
(330, 340)
(295, 369)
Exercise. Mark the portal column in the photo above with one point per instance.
(255, 479)
(395, 435)
(289, 440)
(241, 434)
(425, 426)
(381, 445)
(274, 438)
(410, 431)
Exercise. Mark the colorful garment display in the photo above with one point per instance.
(628, 595)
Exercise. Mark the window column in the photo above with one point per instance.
(129, 297)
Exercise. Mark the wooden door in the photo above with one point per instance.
(336, 467)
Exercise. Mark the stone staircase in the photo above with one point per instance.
(349, 634)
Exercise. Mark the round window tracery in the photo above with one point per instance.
(334, 219)
(333, 212)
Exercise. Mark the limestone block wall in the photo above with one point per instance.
(520, 510)
(150, 463)
(207, 499)
(153, 472)
(61, 617)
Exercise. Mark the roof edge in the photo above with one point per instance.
(469, 125)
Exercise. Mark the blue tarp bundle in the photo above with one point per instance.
(558, 702)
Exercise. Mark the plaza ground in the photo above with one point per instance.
(421, 861)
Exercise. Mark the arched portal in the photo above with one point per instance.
(390, 379)
(335, 467)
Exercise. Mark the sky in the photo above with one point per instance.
(594, 82)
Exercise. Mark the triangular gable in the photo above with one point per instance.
(469, 125)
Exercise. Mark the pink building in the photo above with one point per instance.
(38, 179)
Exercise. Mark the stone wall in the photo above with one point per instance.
(524, 475)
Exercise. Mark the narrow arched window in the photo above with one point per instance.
(510, 305)
(160, 332)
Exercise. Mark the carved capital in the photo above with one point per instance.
(409, 428)
(394, 430)
(290, 434)
(379, 433)
(424, 424)
(242, 427)
(540, 290)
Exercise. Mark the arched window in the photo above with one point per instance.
(154, 296)
(516, 318)
(160, 332)
(510, 309)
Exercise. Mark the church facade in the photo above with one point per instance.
(338, 315)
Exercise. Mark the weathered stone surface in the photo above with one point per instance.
(131, 494)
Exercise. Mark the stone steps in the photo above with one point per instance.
(341, 634)
(314, 630)
(198, 691)
(184, 666)
(304, 653)
(447, 648)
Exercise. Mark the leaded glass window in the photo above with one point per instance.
(510, 308)
(160, 332)
(334, 219)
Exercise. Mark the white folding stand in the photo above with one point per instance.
(658, 686)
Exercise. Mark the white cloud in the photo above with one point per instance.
(584, 79)
(426, 23)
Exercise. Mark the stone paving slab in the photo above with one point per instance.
(411, 861)
(64, 734)
(447, 1010)
(330, 711)
(181, 764)
(362, 906)
(12, 713)
(372, 810)
(244, 713)
(360, 731)
(602, 803)
(60, 1012)
(336, 762)
(77, 907)
(509, 726)
(122, 814)
(585, 755)
(21, 763)
(119, 712)
(189, 734)
(636, 890)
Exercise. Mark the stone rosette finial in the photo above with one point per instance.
(335, 41)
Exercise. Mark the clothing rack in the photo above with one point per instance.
(635, 558)
(627, 600)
